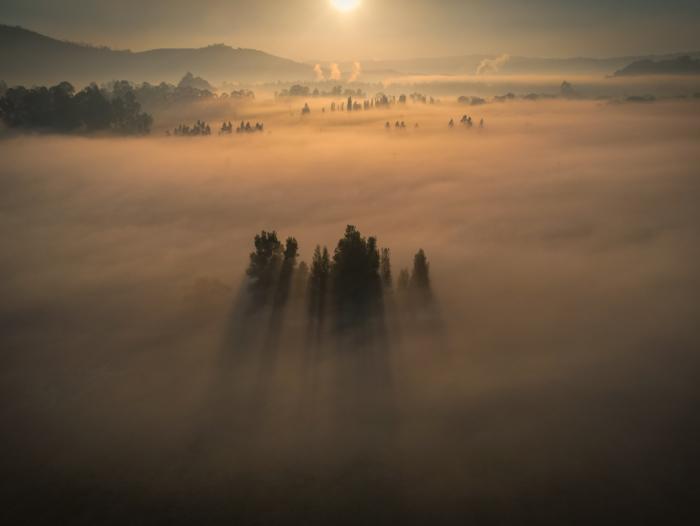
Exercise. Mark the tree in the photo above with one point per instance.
(264, 266)
(198, 83)
(420, 279)
(59, 108)
(356, 281)
(567, 90)
(94, 109)
(126, 111)
(385, 268)
(65, 116)
(284, 282)
(403, 280)
(301, 278)
(291, 249)
(318, 281)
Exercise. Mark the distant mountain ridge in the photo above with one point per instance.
(27, 57)
(684, 65)
(513, 65)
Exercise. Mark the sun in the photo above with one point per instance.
(345, 5)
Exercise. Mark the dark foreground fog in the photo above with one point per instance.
(551, 377)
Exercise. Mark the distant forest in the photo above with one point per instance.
(684, 65)
(61, 109)
(119, 107)
(189, 89)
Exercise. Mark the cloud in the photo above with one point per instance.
(492, 65)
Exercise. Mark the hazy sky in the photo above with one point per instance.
(313, 29)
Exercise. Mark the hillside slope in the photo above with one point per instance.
(27, 57)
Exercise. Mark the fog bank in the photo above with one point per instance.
(555, 380)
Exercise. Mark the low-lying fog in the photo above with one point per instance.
(555, 382)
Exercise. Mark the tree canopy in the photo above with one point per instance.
(60, 109)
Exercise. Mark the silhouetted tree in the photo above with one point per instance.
(385, 268)
(65, 118)
(199, 128)
(190, 81)
(403, 281)
(289, 261)
(296, 91)
(242, 94)
(301, 279)
(126, 115)
(264, 266)
(356, 281)
(420, 277)
(94, 108)
(318, 281)
(567, 90)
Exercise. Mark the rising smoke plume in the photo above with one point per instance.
(319, 72)
(335, 72)
(356, 70)
(492, 65)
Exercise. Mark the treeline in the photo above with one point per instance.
(190, 89)
(380, 100)
(298, 90)
(200, 128)
(61, 109)
(351, 285)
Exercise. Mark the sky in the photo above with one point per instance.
(377, 29)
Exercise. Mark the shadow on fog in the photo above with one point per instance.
(308, 349)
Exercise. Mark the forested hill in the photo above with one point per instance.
(684, 65)
(29, 58)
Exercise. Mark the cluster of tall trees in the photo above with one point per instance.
(350, 284)
(246, 127)
(60, 108)
(356, 100)
(190, 89)
(197, 129)
(164, 95)
(465, 121)
(201, 128)
(190, 81)
(239, 94)
(271, 267)
(298, 90)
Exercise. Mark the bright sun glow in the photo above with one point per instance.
(345, 5)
